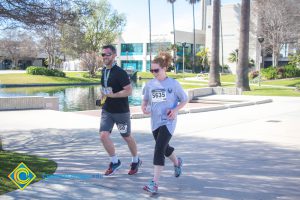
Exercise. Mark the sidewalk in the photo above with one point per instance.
(247, 152)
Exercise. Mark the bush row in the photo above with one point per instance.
(288, 71)
(33, 70)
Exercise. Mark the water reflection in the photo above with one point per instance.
(72, 98)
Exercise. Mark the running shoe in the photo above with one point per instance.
(178, 169)
(135, 167)
(113, 167)
(151, 187)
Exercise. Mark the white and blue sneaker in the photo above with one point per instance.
(178, 169)
(151, 187)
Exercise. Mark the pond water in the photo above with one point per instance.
(72, 98)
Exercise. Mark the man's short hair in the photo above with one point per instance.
(111, 47)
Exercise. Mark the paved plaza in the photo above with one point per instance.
(248, 152)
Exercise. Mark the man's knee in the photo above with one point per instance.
(104, 135)
(127, 138)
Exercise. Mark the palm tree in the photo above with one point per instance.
(203, 57)
(233, 56)
(193, 2)
(243, 57)
(214, 76)
(174, 39)
(150, 42)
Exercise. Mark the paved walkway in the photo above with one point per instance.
(247, 152)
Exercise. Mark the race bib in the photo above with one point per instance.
(159, 95)
(106, 90)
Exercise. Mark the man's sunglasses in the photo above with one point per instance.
(105, 54)
(154, 70)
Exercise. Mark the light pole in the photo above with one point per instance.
(183, 49)
(261, 64)
(126, 59)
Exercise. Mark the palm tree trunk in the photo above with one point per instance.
(174, 41)
(243, 59)
(203, 10)
(150, 42)
(214, 76)
(194, 38)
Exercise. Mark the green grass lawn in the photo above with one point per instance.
(285, 82)
(271, 91)
(10, 160)
(71, 77)
(227, 80)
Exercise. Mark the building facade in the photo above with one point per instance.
(229, 34)
(135, 54)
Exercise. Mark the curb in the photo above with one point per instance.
(141, 115)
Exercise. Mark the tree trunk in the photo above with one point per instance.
(275, 58)
(1, 147)
(174, 39)
(194, 38)
(150, 42)
(214, 76)
(243, 57)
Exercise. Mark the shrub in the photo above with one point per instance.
(36, 70)
(280, 72)
(253, 74)
(33, 70)
(58, 73)
(269, 73)
(291, 71)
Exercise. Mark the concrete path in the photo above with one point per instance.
(249, 152)
(12, 71)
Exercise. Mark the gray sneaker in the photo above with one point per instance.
(177, 169)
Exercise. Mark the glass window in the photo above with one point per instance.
(188, 49)
(131, 49)
(135, 65)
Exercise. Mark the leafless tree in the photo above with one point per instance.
(51, 45)
(35, 12)
(91, 61)
(278, 23)
(16, 46)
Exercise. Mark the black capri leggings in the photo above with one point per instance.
(162, 137)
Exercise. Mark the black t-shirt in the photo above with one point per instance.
(118, 78)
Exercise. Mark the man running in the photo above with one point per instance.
(116, 88)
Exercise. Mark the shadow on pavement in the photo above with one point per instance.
(213, 169)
